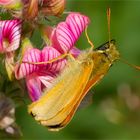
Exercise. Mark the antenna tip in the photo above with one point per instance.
(108, 11)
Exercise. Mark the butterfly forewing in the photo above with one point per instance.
(50, 109)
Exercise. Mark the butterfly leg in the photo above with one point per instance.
(48, 62)
(88, 39)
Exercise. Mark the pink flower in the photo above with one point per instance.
(37, 81)
(38, 76)
(62, 38)
(10, 32)
(35, 55)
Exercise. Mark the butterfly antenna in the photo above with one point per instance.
(108, 22)
(131, 65)
(88, 39)
(109, 36)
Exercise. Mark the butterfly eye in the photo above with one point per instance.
(103, 47)
(106, 45)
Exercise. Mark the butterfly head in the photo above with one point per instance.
(109, 50)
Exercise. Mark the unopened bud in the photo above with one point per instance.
(52, 7)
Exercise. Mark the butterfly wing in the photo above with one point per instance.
(55, 106)
(98, 72)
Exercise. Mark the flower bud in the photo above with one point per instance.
(9, 65)
(30, 10)
(52, 7)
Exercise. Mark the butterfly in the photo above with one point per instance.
(58, 104)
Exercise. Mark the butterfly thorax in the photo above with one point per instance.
(102, 57)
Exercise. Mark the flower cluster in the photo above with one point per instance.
(22, 60)
(30, 9)
(31, 63)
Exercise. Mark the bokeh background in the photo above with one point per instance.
(115, 110)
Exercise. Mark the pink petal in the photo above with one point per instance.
(67, 33)
(65, 39)
(24, 69)
(46, 78)
(36, 83)
(75, 52)
(35, 55)
(77, 23)
(11, 32)
(49, 53)
(34, 86)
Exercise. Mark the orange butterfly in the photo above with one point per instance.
(58, 104)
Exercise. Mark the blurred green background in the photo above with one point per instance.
(115, 111)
